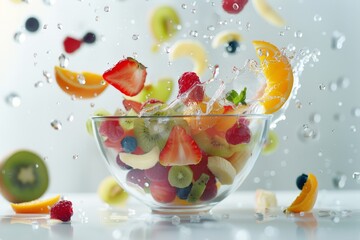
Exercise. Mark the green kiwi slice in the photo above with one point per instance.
(213, 145)
(198, 188)
(180, 176)
(23, 177)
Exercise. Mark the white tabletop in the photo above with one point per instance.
(336, 216)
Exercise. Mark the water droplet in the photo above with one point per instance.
(322, 86)
(39, 84)
(193, 11)
(193, 33)
(257, 179)
(195, 218)
(75, 156)
(282, 33)
(298, 34)
(135, 36)
(49, 2)
(19, 37)
(343, 82)
(63, 61)
(13, 100)
(97, 18)
(298, 104)
(306, 133)
(315, 118)
(356, 111)
(211, 28)
(70, 118)
(317, 18)
(175, 220)
(333, 86)
(235, 6)
(106, 9)
(339, 180)
(353, 128)
(183, 6)
(60, 26)
(340, 104)
(45, 26)
(356, 175)
(81, 79)
(339, 117)
(56, 124)
(337, 40)
(248, 25)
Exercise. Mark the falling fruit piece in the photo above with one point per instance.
(71, 44)
(36, 206)
(81, 85)
(307, 198)
(278, 73)
(268, 13)
(111, 192)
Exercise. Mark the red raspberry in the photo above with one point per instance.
(186, 82)
(71, 44)
(62, 211)
(239, 133)
(233, 6)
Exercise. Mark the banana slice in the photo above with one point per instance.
(144, 161)
(224, 37)
(268, 13)
(222, 169)
(192, 49)
(264, 200)
(239, 159)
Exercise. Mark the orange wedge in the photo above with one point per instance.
(81, 85)
(278, 73)
(307, 198)
(36, 206)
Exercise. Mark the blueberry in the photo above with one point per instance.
(89, 37)
(232, 46)
(32, 24)
(300, 180)
(183, 193)
(129, 144)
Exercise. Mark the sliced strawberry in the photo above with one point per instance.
(180, 149)
(71, 44)
(130, 104)
(128, 76)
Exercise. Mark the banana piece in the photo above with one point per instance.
(144, 161)
(264, 200)
(268, 13)
(239, 159)
(192, 49)
(222, 169)
(224, 37)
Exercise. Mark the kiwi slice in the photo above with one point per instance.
(180, 176)
(99, 112)
(128, 123)
(214, 145)
(24, 177)
(198, 188)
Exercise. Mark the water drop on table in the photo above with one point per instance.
(13, 100)
(56, 124)
(19, 37)
(175, 220)
(195, 218)
(63, 61)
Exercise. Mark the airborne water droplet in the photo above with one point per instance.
(356, 112)
(356, 175)
(339, 180)
(56, 124)
(19, 37)
(135, 36)
(338, 40)
(59, 26)
(106, 9)
(317, 18)
(193, 33)
(63, 61)
(13, 100)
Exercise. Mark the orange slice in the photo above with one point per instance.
(36, 206)
(278, 73)
(307, 198)
(81, 85)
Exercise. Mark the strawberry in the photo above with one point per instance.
(71, 44)
(128, 76)
(180, 149)
(130, 104)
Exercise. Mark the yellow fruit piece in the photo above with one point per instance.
(111, 192)
(36, 206)
(307, 198)
(278, 73)
(264, 200)
(81, 85)
(225, 37)
(268, 13)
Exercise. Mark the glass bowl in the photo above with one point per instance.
(181, 164)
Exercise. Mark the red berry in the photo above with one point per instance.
(158, 173)
(111, 129)
(233, 6)
(209, 192)
(189, 81)
(162, 192)
(137, 176)
(201, 168)
(71, 44)
(237, 134)
(62, 211)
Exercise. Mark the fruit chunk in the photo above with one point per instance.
(183, 193)
(264, 199)
(301, 180)
(164, 22)
(222, 169)
(227, 38)
(62, 211)
(271, 143)
(238, 134)
(99, 112)
(233, 6)
(71, 44)
(144, 161)
(89, 38)
(128, 76)
(192, 49)
(198, 188)
(278, 73)
(307, 198)
(81, 85)
(24, 177)
(157, 173)
(240, 158)
(36, 206)
(111, 192)
(268, 13)
(180, 149)
(189, 84)
(180, 176)
(162, 192)
(161, 91)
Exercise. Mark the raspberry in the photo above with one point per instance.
(62, 211)
(189, 81)
(237, 134)
(233, 6)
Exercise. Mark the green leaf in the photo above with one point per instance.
(236, 98)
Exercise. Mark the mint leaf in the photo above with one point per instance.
(231, 95)
(236, 98)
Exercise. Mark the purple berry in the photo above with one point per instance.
(237, 134)
(137, 176)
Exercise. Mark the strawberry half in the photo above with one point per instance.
(128, 76)
(180, 149)
(130, 104)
